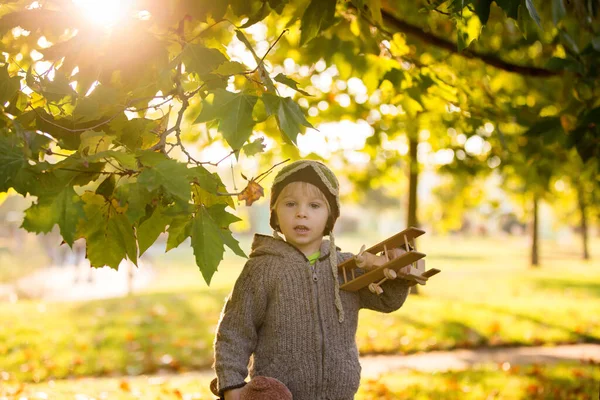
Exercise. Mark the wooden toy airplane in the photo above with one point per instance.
(392, 263)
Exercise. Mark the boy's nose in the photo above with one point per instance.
(301, 213)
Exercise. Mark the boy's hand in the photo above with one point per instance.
(233, 394)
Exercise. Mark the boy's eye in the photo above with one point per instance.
(290, 204)
(315, 205)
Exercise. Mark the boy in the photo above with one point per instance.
(286, 313)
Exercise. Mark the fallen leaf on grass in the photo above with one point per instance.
(124, 386)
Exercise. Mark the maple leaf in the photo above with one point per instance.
(251, 193)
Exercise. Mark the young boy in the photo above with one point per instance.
(286, 314)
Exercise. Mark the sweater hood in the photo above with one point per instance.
(264, 245)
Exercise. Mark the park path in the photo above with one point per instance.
(435, 361)
(80, 282)
(466, 358)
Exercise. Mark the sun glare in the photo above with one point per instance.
(102, 12)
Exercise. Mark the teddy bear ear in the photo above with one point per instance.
(213, 387)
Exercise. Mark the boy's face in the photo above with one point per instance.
(302, 214)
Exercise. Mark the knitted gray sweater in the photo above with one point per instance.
(285, 322)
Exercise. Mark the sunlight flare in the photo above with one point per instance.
(102, 12)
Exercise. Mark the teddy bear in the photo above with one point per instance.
(262, 388)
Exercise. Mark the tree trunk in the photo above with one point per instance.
(535, 234)
(413, 176)
(583, 226)
(129, 278)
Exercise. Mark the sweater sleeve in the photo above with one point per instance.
(238, 327)
(393, 296)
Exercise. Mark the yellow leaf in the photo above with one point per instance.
(124, 386)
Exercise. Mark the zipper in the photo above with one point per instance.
(316, 291)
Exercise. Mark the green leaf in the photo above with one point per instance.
(395, 76)
(107, 187)
(93, 142)
(206, 188)
(558, 11)
(569, 64)
(234, 112)
(136, 133)
(596, 43)
(533, 12)
(8, 86)
(36, 19)
(258, 16)
(230, 68)
(482, 9)
(281, 78)
(103, 102)
(289, 115)
(202, 9)
(375, 10)
(12, 160)
(224, 219)
(57, 88)
(150, 229)
(38, 218)
(207, 243)
(76, 171)
(256, 147)
(548, 128)
(241, 7)
(462, 39)
(201, 60)
(207, 198)
(221, 216)
(18, 104)
(510, 7)
(136, 197)
(150, 158)
(569, 41)
(109, 235)
(180, 228)
(317, 17)
(211, 182)
(170, 175)
(127, 160)
(67, 209)
(232, 243)
(61, 129)
(44, 183)
(591, 117)
(35, 143)
(277, 5)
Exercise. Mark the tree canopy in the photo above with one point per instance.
(103, 115)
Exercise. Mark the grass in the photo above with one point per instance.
(568, 381)
(486, 295)
(530, 382)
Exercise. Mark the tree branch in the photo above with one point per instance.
(400, 25)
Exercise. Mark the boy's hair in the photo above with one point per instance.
(324, 179)
(312, 172)
(304, 187)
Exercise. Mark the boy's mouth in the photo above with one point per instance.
(301, 229)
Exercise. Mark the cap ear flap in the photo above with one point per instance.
(329, 225)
